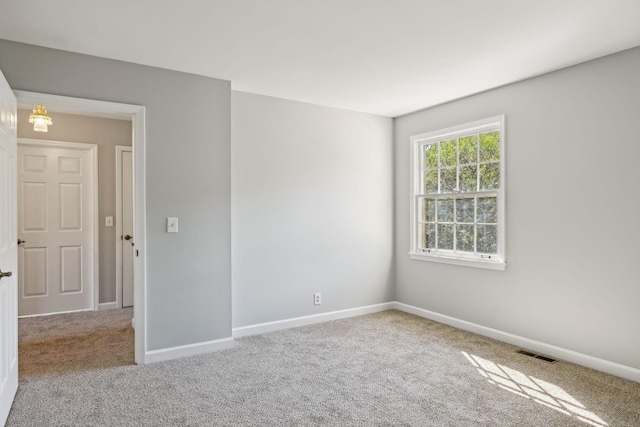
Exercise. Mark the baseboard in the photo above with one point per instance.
(612, 368)
(262, 328)
(107, 306)
(602, 365)
(187, 350)
(55, 312)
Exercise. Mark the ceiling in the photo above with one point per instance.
(376, 56)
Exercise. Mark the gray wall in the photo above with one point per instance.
(188, 176)
(106, 133)
(312, 209)
(572, 150)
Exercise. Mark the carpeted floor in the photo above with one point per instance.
(383, 369)
(74, 341)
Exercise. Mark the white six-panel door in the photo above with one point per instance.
(8, 250)
(56, 221)
(128, 245)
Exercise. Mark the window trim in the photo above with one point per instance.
(416, 143)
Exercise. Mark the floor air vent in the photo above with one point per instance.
(536, 356)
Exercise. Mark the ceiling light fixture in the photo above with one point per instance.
(40, 118)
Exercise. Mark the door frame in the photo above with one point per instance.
(119, 150)
(93, 149)
(136, 113)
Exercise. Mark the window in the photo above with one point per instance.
(457, 203)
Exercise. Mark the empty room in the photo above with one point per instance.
(417, 213)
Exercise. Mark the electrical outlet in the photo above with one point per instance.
(317, 298)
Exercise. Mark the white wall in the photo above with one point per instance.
(312, 209)
(572, 202)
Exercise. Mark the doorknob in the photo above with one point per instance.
(7, 274)
(20, 241)
(127, 237)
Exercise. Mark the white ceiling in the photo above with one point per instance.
(376, 56)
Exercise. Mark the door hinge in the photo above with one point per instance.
(137, 253)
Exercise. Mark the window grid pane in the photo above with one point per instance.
(489, 146)
(460, 223)
(448, 153)
(465, 237)
(431, 156)
(431, 181)
(468, 163)
(489, 176)
(468, 150)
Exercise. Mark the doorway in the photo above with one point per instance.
(136, 114)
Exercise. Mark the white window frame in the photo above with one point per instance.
(417, 142)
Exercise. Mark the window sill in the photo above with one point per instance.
(489, 265)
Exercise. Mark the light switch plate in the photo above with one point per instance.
(108, 221)
(172, 225)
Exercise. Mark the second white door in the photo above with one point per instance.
(124, 158)
(56, 214)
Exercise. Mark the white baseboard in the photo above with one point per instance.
(187, 350)
(107, 306)
(262, 328)
(612, 368)
(223, 344)
(55, 312)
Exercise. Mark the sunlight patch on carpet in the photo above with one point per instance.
(528, 387)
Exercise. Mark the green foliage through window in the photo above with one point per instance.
(457, 206)
(467, 164)
(464, 164)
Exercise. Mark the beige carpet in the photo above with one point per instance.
(75, 341)
(383, 369)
